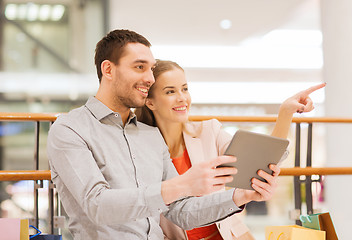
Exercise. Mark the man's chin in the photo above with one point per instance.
(138, 104)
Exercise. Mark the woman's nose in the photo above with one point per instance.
(181, 97)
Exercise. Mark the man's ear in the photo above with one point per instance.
(106, 69)
(149, 103)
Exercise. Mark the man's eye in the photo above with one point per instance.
(185, 89)
(140, 67)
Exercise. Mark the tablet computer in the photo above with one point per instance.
(253, 151)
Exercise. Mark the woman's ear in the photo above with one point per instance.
(149, 103)
(106, 69)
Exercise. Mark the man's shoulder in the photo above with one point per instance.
(150, 132)
(76, 119)
(72, 116)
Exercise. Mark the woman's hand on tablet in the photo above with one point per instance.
(263, 190)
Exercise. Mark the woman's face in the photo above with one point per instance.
(171, 100)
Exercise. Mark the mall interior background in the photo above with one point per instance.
(242, 58)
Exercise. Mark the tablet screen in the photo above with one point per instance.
(253, 151)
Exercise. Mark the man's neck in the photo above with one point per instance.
(124, 112)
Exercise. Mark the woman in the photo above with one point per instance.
(167, 108)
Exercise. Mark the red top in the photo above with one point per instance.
(182, 164)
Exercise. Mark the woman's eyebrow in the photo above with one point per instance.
(168, 87)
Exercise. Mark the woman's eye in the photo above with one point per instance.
(185, 89)
(169, 92)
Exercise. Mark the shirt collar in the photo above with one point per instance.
(100, 110)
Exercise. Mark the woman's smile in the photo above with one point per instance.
(180, 108)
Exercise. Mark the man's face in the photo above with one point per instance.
(133, 76)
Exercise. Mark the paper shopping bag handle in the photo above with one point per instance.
(278, 237)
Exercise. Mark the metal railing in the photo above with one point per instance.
(297, 171)
(37, 175)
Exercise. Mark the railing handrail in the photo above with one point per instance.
(308, 171)
(272, 119)
(17, 116)
(18, 175)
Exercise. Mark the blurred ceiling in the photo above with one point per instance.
(185, 22)
(197, 22)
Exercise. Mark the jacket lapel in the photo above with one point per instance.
(194, 148)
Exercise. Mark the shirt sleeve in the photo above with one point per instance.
(192, 212)
(75, 173)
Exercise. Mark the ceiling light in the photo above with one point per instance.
(57, 12)
(32, 12)
(44, 12)
(10, 11)
(294, 37)
(22, 12)
(242, 56)
(225, 24)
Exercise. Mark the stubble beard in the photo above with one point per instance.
(128, 102)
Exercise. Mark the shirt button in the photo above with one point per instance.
(231, 209)
(159, 210)
(116, 115)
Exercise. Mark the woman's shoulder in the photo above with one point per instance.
(203, 126)
(210, 122)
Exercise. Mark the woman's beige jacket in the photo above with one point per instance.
(205, 141)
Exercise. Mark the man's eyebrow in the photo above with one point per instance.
(144, 61)
(140, 61)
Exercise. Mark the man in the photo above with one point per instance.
(114, 175)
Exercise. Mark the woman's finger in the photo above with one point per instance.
(313, 88)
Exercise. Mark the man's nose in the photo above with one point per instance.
(149, 77)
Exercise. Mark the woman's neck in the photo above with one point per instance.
(173, 136)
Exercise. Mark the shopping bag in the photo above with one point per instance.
(47, 237)
(320, 221)
(293, 232)
(14, 229)
(40, 236)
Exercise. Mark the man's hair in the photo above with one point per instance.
(111, 47)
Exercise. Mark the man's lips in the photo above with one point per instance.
(143, 90)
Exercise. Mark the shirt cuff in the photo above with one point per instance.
(154, 200)
(230, 205)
